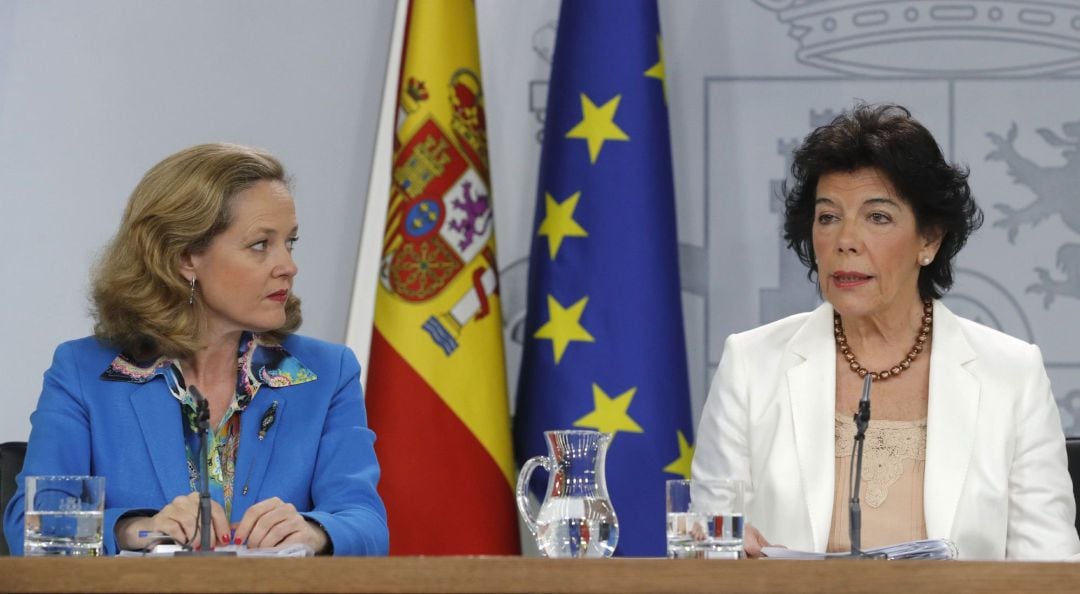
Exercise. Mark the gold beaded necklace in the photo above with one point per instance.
(920, 342)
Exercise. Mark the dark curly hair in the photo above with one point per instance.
(887, 138)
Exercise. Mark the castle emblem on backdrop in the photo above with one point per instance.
(867, 37)
(1055, 191)
(439, 219)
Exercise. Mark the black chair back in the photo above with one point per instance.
(1072, 449)
(11, 462)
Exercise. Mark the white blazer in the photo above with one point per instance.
(996, 480)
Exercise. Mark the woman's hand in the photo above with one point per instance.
(753, 542)
(272, 522)
(178, 520)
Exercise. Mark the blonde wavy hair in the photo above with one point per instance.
(140, 299)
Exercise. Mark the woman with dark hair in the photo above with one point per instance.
(196, 289)
(965, 442)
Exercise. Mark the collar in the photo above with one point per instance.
(258, 363)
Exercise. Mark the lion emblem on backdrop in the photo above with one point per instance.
(1055, 189)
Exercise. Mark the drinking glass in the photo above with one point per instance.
(64, 515)
(705, 519)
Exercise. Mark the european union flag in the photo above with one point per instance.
(604, 347)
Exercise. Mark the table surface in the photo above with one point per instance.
(518, 574)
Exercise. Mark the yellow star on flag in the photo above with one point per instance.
(657, 70)
(559, 222)
(597, 125)
(564, 326)
(681, 465)
(610, 414)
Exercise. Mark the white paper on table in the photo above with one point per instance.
(930, 549)
(784, 553)
(169, 550)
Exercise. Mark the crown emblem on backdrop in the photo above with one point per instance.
(933, 37)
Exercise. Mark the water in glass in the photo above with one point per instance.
(74, 533)
(64, 515)
(701, 536)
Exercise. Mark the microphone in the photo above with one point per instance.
(202, 423)
(862, 421)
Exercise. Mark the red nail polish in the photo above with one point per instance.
(238, 541)
(224, 539)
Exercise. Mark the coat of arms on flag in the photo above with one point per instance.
(440, 215)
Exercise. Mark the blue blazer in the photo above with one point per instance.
(318, 455)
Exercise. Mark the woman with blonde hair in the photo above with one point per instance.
(195, 295)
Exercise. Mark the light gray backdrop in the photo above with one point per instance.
(92, 94)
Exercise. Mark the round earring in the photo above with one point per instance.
(925, 261)
(191, 295)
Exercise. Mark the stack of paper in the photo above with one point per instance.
(169, 550)
(931, 549)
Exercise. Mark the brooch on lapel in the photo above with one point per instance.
(268, 419)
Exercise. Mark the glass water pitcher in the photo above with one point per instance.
(576, 518)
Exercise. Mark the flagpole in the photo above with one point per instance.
(362, 307)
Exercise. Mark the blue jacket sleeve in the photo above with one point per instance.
(346, 503)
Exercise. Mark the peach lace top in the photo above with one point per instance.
(891, 498)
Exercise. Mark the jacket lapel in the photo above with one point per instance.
(951, 417)
(159, 419)
(258, 428)
(811, 380)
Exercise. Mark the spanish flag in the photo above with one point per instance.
(436, 379)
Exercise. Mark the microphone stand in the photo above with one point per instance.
(862, 421)
(202, 422)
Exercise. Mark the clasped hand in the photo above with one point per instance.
(268, 523)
